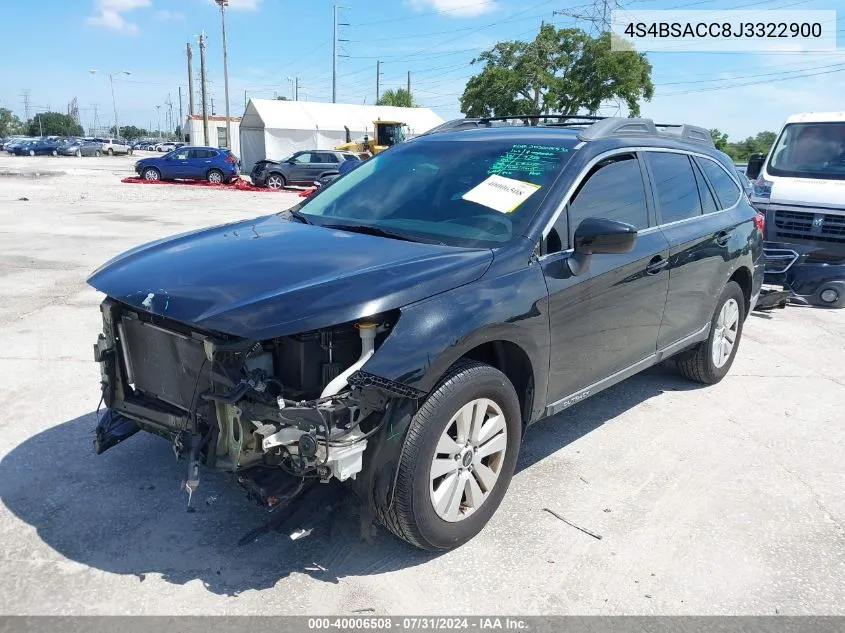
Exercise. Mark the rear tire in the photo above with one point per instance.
(111, 152)
(215, 175)
(98, 153)
(709, 361)
(54, 153)
(445, 511)
(32, 152)
(78, 153)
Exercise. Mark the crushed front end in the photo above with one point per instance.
(271, 412)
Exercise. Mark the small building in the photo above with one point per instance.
(275, 129)
(192, 132)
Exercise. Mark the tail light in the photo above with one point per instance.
(760, 222)
(231, 159)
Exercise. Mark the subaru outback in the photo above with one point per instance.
(400, 329)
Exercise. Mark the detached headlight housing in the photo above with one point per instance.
(762, 188)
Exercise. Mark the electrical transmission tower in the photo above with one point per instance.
(25, 97)
(73, 111)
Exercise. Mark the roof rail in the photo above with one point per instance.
(619, 126)
(594, 128)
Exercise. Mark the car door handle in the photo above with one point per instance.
(722, 238)
(656, 265)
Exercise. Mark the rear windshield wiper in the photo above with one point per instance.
(369, 230)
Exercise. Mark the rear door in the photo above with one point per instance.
(605, 319)
(199, 162)
(698, 237)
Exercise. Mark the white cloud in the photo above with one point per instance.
(109, 14)
(456, 8)
(165, 15)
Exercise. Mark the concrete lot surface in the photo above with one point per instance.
(721, 500)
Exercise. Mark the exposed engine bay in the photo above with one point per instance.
(297, 405)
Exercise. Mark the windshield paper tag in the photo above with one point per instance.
(501, 194)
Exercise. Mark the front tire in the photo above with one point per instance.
(78, 153)
(152, 174)
(276, 181)
(458, 459)
(98, 153)
(709, 361)
(111, 152)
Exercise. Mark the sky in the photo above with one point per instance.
(51, 46)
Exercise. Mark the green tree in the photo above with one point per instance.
(760, 143)
(400, 98)
(53, 123)
(280, 98)
(563, 71)
(720, 139)
(9, 123)
(130, 132)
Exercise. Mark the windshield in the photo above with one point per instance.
(469, 192)
(810, 150)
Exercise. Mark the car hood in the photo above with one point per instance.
(270, 277)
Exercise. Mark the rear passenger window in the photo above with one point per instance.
(708, 202)
(614, 190)
(675, 187)
(723, 184)
(325, 157)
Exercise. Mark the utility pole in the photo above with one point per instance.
(378, 79)
(181, 116)
(246, 100)
(409, 84)
(202, 88)
(223, 4)
(190, 53)
(296, 89)
(334, 55)
(335, 40)
(212, 107)
(158, 112)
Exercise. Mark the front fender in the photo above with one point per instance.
(432, 334)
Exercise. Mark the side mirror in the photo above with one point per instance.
(599, 236)
(755, 165)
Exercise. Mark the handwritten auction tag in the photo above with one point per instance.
(501, 194)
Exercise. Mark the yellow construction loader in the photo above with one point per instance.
(387, 134)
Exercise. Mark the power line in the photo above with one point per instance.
(751, 83)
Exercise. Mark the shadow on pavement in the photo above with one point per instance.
(123, 512)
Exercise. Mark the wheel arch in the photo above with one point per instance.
(742, 277)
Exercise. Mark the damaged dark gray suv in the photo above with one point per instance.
(401, 328)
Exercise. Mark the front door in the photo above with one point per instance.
(301, 169)
(177, 164)
(605, 319)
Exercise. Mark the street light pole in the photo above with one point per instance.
(113, 101)
(223, 4)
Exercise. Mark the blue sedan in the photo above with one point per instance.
(214, 164)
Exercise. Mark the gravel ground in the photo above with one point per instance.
(727, 499)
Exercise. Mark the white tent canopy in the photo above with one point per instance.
(274, 129)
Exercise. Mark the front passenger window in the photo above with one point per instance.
(613, 190)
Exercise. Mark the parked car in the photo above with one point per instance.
(799, 188)
(14, 143)
(214, 164)
(80, 147)
(302, 168)
(113, 146)
(165, 147)
(344, 168)
(39, 147)
(398, 333)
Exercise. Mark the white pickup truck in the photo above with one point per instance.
(801, 191)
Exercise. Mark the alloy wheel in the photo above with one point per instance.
(215, 177)
(275, 182)
(724, 338)
(468, 459)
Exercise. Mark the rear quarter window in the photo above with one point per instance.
(726, 189)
